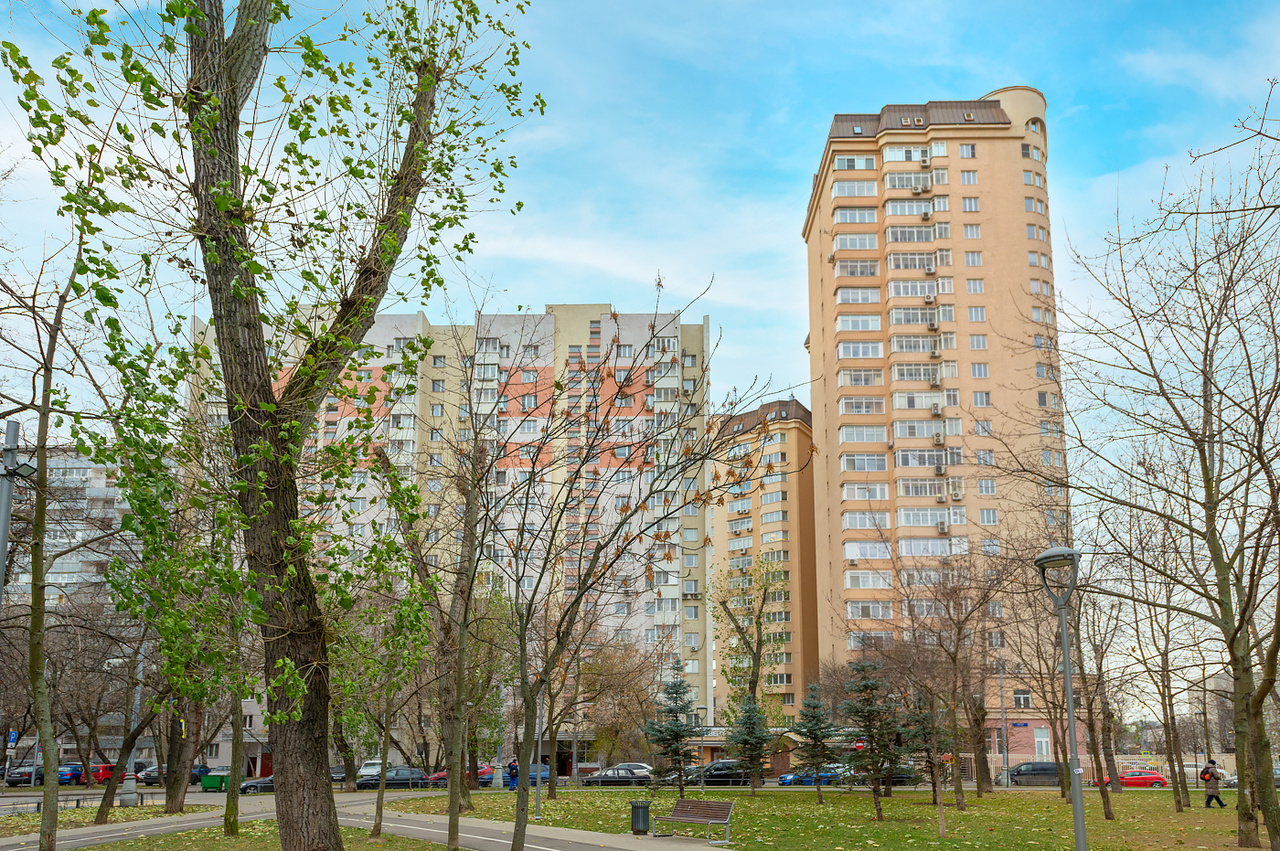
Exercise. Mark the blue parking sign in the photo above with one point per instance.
(13, 737)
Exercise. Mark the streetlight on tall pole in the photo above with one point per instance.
(702, 738)
(1059, 568)
(1004, 723)
(11, 470)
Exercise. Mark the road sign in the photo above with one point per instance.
(859, 744)
(1018, 724)
(13, 738)
(1146, 753)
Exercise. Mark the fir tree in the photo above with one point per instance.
(750, 739)
(871, 712)
(670, 732)
(815, 729)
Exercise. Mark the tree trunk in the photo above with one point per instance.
(384, 753)
(1095, 757)
(117, 773)
(82, 751)
(957, 781)
(553, 730)
(1176, 766)
(1108, 740)
(1260, 754)
(231, 815)
(36, 634)
(1247, 834)
(524, 759)
(875, 797)
(348, 755)
(459, 625)
(935, 776)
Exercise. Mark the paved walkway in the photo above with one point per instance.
(357, 811)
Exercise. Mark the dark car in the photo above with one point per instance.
(337, 774)
(805, 777)
(199, 771)
(20, 775)
(398, 777)
(903, 775)
(1034, 774)
(722, 772)
(618, 776)
(153, 775)
(258, 784)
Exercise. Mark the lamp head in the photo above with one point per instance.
(1058, 568)
(26, 470)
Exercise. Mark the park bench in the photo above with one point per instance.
(708, 813)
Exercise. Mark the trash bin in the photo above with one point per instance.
(640, 817)
(213, 783)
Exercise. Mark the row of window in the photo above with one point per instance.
(918, 288)
(869, 491)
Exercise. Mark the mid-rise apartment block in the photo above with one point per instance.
(933, 360)
(765, 532)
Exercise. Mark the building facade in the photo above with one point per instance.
(934, 366)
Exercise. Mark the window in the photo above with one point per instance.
(862, 434)
(977, 314)
(862, 405)
(974, 286)
(858, 462)
(1028, 178)
(861, 377)
(987, 487)
(854, 241)
(857, 269)
(904, 207)
(988, 516)
(995, 639)
(855, 215)
(1043, 745)
(968, 178)
(869, 640)
(1022, 700)
(854, 579)
(982, 428)
(864, 162)
(978, 342)
(973, 258)
(990, 547)
(968, 152)
(973, 232)
(858, 322)
(984, 457)
(788, 699)
(865, 520)
(909, 233)
(868, 609)
(853, 189)
(857, 295)
(861, 350)
(437, 385)
(979, 370)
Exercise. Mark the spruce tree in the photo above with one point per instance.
(750, 739)
(670, 732)
(871, 712)
(816, 730)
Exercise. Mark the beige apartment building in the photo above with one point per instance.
(933, 358)
(770, 524)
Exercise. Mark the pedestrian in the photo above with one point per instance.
(513, 774)
(1211, 775)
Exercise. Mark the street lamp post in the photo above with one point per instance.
(1059, 567)
(702, 747)
(1004, 725)
(11, 470)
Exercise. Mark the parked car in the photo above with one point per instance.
(398, 777)
(903, 775)
(440, 779)
(258, 784)
(152, 776)
(722, 772)
(544, 775)
(1139, 778)
(20, 775)
(71, 774)
(618, 776)
(805, 777)
(1034, 774)
(337, 774)
(636, 766)
(198, 771)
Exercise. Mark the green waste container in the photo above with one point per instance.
(640, 817)
(213, 783)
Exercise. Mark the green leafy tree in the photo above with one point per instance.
(671, 732)
(816, 731)
(872, 713)
(750, 738)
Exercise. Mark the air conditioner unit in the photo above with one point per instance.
(932, 326)
(957, 496)
(930, 298)
(916, 190)
(936, 409)
(853, 562)
(943, 528)
(942, 497)
(891, 443)
(692, 595)
(938, 439)
(935, 353)
(935, 381)
(831, 258)
(925, 216)
(939, 469)
(929, 270)
(946, 559)
(737, 531)
(924, 163)
(744, 511)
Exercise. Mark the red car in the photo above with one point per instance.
(1142, 779)
(441, 778)
(101, 772)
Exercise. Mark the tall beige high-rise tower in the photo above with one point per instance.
(933, 354)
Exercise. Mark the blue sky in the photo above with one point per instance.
(681, 138)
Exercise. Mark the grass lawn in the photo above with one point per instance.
(1145, 820)
(258, 836)
(83, 817)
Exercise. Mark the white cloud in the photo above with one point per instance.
(1237, 73)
